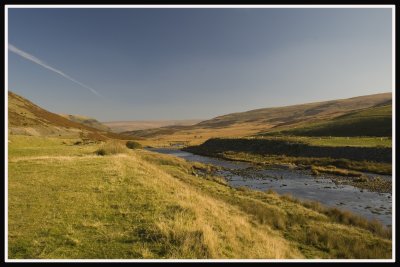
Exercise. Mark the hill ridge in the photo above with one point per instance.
(27, 118)
(262, 120)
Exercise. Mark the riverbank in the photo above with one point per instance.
(272, 153)
(327, 189)
(289, 148)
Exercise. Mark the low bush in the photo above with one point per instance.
(133, 145)
(78, 143)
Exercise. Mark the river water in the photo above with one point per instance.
(300, 184)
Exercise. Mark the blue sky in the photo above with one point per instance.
(196, 63)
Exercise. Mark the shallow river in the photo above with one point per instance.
(300, 184)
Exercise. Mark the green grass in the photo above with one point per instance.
(375, 121)
(25, 146)
(351, 141)
(337, 141)
(67, 202)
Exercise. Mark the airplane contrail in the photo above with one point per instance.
(34, 59)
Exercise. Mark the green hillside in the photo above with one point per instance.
(375, 121)
(289, 115)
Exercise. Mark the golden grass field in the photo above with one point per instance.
(198, 136)
(65, 201)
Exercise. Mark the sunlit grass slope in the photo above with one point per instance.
(67, 202)
(375, 121)
(26, 118)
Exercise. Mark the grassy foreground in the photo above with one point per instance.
(65, 201)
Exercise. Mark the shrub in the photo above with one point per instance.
(110, 148)
(133, 145)
(101, 152)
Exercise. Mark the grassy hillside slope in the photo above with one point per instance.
(375, 121)
(67, 202)
(24, 117)
(91, 122)
(296, 113)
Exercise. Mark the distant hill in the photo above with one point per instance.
(266, 119)
(299, 113)
(91, 122)
(123, 126)
(375, 121)
(26, 118)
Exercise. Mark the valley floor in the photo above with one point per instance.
(64, 201)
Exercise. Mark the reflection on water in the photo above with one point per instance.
(300, 184)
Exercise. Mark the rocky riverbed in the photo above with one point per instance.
(331, 190)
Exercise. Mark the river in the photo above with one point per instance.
(300, 184)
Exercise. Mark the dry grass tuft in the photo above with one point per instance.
(111, 148)
(316, 170)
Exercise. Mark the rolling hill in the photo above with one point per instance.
(289, 115)
(124, 126)
(26, 118)
(88, 121)
(263, 120)
(375, 121)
